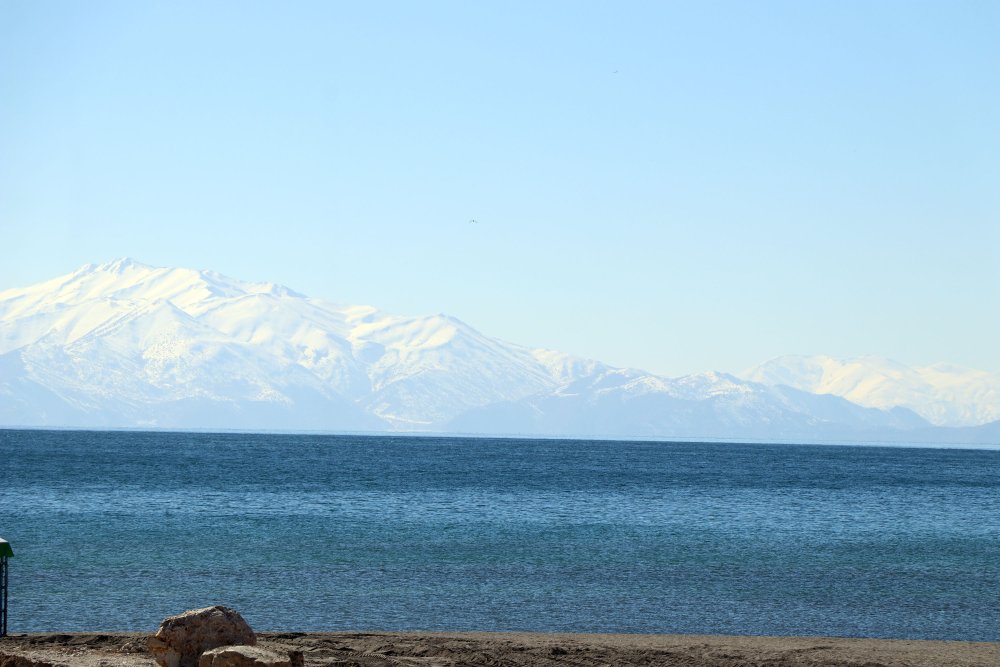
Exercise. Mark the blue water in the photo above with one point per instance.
(115, 530)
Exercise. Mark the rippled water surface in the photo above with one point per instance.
(115, 530)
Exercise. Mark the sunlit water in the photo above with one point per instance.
(114, 531)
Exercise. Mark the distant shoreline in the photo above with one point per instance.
(519, 649)
(432, 435)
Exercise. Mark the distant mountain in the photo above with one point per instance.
(702, 406)
(943, 394)
(123, 344)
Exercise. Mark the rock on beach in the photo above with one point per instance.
(182, 639)
(244, 656)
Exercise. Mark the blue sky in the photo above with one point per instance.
(672, 186)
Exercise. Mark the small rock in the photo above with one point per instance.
(243, 656)
(183, 638)
(133, 646)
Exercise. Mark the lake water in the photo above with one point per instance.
(116, 530)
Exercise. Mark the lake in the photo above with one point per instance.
(116, 530)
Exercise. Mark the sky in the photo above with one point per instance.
(671, 186)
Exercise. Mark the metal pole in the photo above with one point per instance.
(3, 596)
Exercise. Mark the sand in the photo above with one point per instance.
(515, 649)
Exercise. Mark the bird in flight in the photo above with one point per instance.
(473, 221)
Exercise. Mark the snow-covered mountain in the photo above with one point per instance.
(128, 344)
(943, 394)
(123, 344)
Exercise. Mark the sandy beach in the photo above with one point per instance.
(375, 649)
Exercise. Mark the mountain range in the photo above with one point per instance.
(126, 345)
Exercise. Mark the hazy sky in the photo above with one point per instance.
(673, 186)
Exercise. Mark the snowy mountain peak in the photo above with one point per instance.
(120, 265)
(127, 279)
(944, 394)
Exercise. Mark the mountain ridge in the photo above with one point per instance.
(125, 344)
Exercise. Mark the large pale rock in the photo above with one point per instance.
(244, 656)
(182, 639)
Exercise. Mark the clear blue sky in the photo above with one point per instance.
(672, 186)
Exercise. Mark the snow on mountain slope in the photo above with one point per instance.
(126, 344)
(944, 394)
(632, 403)
(151, 335)
(430, 369)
